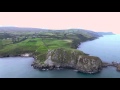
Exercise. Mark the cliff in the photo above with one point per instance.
(68, 58)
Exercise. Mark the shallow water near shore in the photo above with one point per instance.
(107, 48)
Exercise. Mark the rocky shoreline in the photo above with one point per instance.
(65, 59)
(48, 64)
(20, 55)
(37, 65)
(46, 68)
(104, 65)
(113, 64)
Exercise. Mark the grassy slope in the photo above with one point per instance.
(34, 45)
(40, 46)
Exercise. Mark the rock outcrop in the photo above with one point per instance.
(69, 58)
(106, 64)
(118, 67)
(114, 64)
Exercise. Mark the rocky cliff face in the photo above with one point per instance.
(69, 58)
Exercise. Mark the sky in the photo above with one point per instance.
(95, 21)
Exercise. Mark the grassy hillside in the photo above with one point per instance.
(38, 43)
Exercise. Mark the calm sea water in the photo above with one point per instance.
(107, 48)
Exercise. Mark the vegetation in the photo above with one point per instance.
(39, 42)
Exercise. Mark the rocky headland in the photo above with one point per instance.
(52, 49)
(71, 59)
(66, 58)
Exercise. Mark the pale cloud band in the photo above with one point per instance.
(96, 21)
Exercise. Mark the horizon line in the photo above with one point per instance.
(51, 28)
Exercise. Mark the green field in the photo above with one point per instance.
(17, 43)
(36, 45)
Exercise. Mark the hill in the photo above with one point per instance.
(46, 46)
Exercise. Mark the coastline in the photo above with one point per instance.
(58, 68)
(35, 65)
(105, 64)
(48, 68)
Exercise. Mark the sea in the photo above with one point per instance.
(107, 48)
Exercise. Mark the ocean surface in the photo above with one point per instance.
(106, 47)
